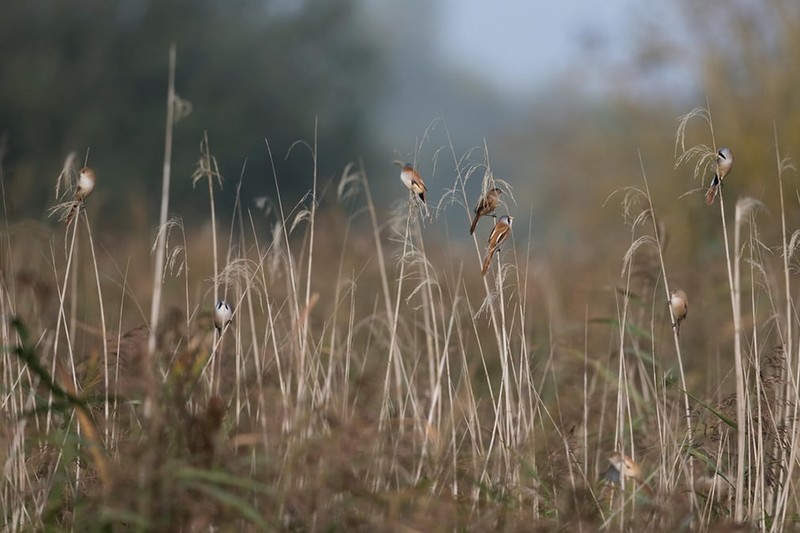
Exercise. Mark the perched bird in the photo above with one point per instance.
(680, 306)
(724, 165)
(86, 181)
(622, 466)
(411, 179)
(222, 315)
(487, 203)
(500, 232)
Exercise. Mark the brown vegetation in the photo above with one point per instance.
(372, 379)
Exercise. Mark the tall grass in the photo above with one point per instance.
(373, 379)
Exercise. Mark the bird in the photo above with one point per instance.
(411, 179)
(680, 306)
(222, 315)
(486, 204)
(620, 466)
(724, 164)
(500, 232)
(623, 467)
(86, 181)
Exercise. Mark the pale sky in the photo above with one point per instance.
(521, 44)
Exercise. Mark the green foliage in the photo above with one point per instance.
(219, 486)
(27, 353)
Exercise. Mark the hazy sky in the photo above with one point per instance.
(521, 44)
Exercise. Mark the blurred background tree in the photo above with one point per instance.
(92, 76)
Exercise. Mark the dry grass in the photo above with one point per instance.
(371, 379)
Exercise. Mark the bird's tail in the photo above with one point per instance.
(72, 210)
(486, 262)
(474, 224)
(711, 194)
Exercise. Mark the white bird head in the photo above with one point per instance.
(222, 314)
(724, 162)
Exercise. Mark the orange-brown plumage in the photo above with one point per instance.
(500, 232)
(679, 303)
(486, 205)
(724, 165)
(85, 186)
(411, 179)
